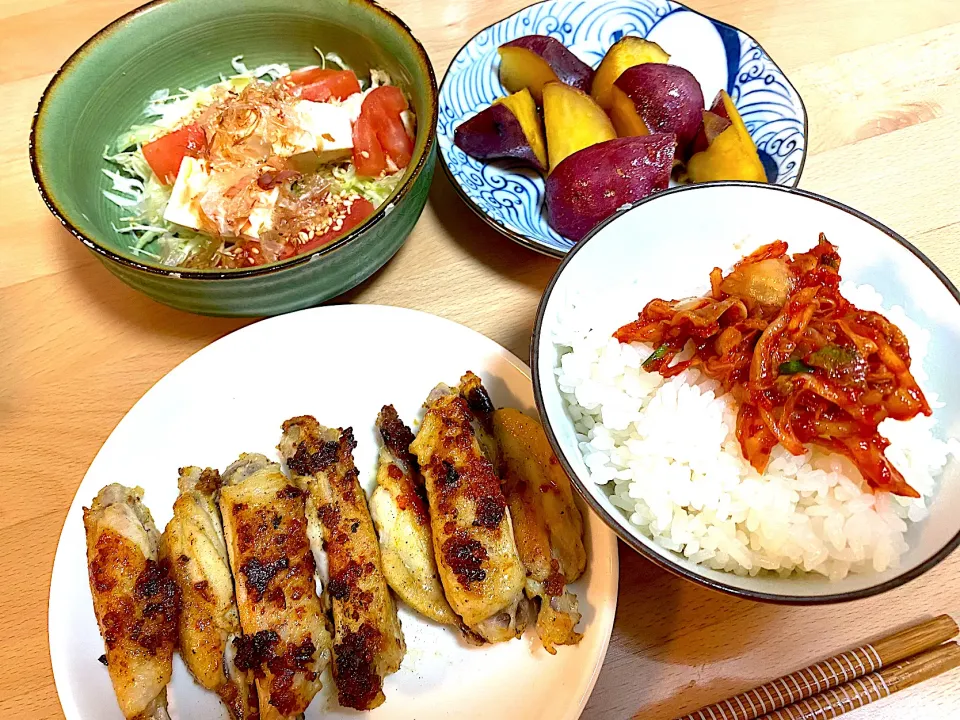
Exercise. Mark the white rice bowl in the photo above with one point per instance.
(666, 455)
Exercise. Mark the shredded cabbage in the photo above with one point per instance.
(376, 190)
(332, 57)
(136, 188)
(270, 71)
(379, 77)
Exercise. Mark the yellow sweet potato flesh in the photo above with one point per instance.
(733, 115)
(573, 121)
(522, 105)
(520, 68)
(625, 53)
(623, 113)
(731, 156)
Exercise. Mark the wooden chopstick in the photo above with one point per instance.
(831, 672)
(872, 686)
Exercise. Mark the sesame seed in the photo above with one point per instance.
(364, 154)
(255, 251)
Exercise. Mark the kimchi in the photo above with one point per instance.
(805, 365)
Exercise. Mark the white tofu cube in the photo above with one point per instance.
(191, 182)
(324, 128)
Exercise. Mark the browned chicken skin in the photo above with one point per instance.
(399, 510)
(134, 599)
(472, 531)
(368, 643)
(286, 643)
(546, 522)
(195, 548)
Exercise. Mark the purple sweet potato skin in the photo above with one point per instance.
(495, 133)
(590, 185)
(567, 66)
(668, 98)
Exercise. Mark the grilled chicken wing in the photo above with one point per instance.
(546, 521)
(368, 643)
(285, 643)
(480, 569)
(196, 550)
(399, 510)
(134, 599)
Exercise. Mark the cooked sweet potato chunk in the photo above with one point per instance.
(625, 53)
(522, 105)
(732, 155)
(667, 98)
(510, 128)
(534, 60)
(573, 121)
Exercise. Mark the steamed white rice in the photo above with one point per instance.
(667, 455)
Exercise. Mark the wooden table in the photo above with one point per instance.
(881, 82)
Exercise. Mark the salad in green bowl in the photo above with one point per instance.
(253, 188)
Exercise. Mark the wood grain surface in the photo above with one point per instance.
(881, 83)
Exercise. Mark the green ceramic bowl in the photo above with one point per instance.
(102, 90)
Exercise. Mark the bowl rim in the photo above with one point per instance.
(49, 198)
(554, 252)
(665, 561)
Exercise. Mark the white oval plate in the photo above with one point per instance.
(341, 364)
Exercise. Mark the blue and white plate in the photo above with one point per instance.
(510, 197)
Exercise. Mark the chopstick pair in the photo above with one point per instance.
(847, 681)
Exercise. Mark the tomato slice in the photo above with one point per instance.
(380, 113)
(165, 154)
(395, 142)
(368, 157)
(306, 75)
(386, 103)
(332, 85)
(359, 211)
(388, 99)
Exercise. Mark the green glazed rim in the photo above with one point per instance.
(398, 196)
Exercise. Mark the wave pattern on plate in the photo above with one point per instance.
(510, 196)
(771, 110)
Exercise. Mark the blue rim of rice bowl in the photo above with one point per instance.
(664, 559)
